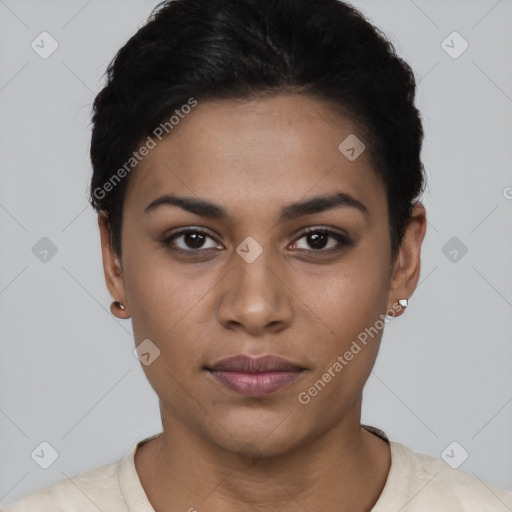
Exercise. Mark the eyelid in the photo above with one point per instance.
(189, 229)
(314, 229)
(342, 238)
(186, 229)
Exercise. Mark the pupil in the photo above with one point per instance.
(194, 240)
(315, 237)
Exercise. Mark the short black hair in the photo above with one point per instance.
(192, 50)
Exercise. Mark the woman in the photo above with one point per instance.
(256, 176)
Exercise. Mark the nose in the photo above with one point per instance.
(254, 296)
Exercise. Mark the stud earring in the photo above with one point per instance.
(403, 302)
(119, 305)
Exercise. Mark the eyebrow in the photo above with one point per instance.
(290, 211)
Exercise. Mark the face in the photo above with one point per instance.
(267, 270)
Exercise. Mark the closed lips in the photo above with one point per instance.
(247, 364)
(255, 376)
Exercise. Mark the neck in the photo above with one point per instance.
(343, 468)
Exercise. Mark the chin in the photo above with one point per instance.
(259, 435)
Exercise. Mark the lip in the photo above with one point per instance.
(255, 376)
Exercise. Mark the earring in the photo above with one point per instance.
(403, 302)
(119, 305)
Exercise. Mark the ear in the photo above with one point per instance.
(112, 268)
(406, 269)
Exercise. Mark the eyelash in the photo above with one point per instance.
(343, 240)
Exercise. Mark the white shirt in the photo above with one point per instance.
(415, 483)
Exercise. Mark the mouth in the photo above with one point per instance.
(252, 376)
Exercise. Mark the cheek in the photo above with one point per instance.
(349, 306)
(157, 294)
(168, 306)
(348, 302)
(350, 296)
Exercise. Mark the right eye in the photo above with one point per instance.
(192, 240)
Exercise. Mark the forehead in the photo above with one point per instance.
(243, 152)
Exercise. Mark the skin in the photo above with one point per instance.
(220, 450)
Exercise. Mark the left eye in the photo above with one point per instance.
(318, 239)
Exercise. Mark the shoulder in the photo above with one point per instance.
(92, 490)
(428, 483)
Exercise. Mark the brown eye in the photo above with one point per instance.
(190, 240)
(323, 240)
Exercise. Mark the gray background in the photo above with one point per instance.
(68, 374)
